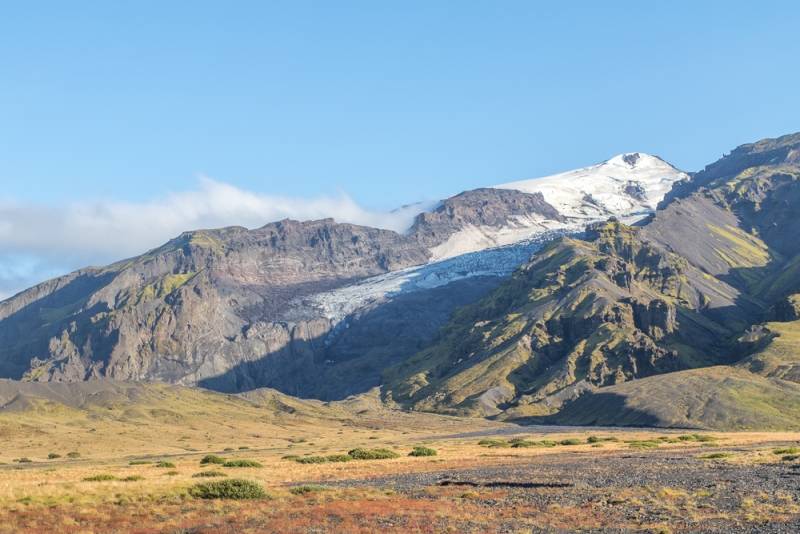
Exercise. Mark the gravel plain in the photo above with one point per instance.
(675, 489)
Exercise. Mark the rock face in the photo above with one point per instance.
(212, 307)
(685, 290)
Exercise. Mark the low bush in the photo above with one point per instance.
(290, 457)
(53, 456)
(140, 462)
(209, 474)
(595, 439)
(423, 451)
(308, 488)
(234, 488)
(522, 444)
(494, 443)
(25, 460)
(100, 478)
(212, 459)
(697, 437)
(339, 458)
(312, 460)
(133, 478)
(73, 455)
(643, 444)
(245, 448)
(777, 450)
(172, 473)
(242, 463)
(165, 464)
(228, 449)
(372, 454)
(571, 441)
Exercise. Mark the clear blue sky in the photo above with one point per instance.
(391, 102)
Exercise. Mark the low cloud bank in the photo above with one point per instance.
(40, 242)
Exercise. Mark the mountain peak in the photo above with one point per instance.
(626, 185)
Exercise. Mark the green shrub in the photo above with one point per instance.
(242, 463)
(53, 456)
(308, 488)
(595, 439)
(165, 464)
(777, 450)
(339, 458)
(133, 478)
(697, 437)
(372, 454)
(423, 451)
(643, 444)
(25, 460)
(172, 473)
(245, 448)
(235, 488)
(227, 449)
(716, 455)
(312, 460)
(571, 441)
(290, 457)
(521, 444)
(140, 462)
(73, 455)
(212, 459)
(99, 478)
(209, 474)
(494, 443)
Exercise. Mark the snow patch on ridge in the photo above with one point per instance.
(474, 238)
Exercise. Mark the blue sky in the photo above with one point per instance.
(109, 104)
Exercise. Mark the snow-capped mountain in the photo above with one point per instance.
(628, 186)
(625, 185)
(294, 304)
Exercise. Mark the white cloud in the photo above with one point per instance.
(39, 242)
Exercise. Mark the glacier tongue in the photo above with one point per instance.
(499, 261)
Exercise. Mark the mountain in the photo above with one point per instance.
(688, 319)
(312, 309)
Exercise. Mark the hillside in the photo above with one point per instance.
(686, 291)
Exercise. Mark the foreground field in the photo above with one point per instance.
(141, 464)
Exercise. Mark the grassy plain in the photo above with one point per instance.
(125, 431)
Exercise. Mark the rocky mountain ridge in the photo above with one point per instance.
(677, 301)
(235, 309)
